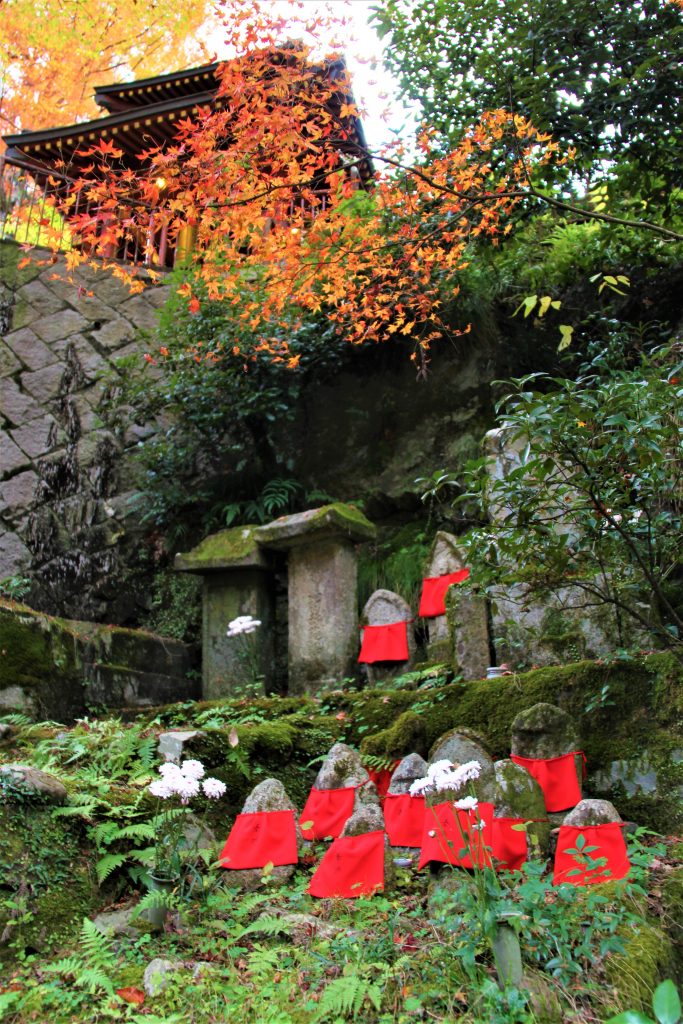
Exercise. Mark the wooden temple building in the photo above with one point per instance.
(138, 115)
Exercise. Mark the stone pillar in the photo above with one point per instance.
(468, 632)
(322, 590)
(237, 581)
(382, 608)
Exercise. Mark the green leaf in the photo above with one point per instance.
(567, 331)
(666, 1003)
(630, 1017)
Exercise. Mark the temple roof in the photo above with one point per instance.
(141, 114)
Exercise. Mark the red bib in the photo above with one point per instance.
(384, 643)
(604, 845)
(433, 599)
(382, 779)
(328, 810)
(509, 845)
(404, 819)
(557, 778)
(448, 836)
(266, 837)
(352, 867)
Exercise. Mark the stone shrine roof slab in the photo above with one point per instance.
(331, 522)
(228, 549)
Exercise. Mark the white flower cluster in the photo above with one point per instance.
(185, 781)
(442, 775)
(242, 626)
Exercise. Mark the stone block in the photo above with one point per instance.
(113, 334)
(28, 347)
(228, 662)
(34, 303)
(14, 555)
(12, 458)
(228, 549)
(44, 385)
(322, 612)
(15, 406)
(172, 745)
(140, 312)
(19, 491)
(37, 437)
(59, 325)
(468, 631)
(316, 524)
(9, 364)
(86, 362)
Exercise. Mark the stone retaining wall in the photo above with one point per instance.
(66, 487)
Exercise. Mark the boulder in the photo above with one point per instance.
(269, 795)
(117, 922)
(412, 767)
(19, 781)
(158, 975)
(518, 795)
(592, 812)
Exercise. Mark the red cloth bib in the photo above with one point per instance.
(602, 842)
(352, 867)
(557, 778)
(509, 846)
(448, 836)
(433, 599)
(266, 837)
(384, 643)
(381, 778)
(404, 819)
(328, 810)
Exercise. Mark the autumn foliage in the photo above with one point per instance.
(52, 54)
(285, 198)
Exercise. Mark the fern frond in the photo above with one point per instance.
(96, 947)
(106, 865)
(139, 830)
(265, 926)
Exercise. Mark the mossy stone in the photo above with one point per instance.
(235, 548)
(543, 730)
(329, 521)
(518, 795)
(634, 974)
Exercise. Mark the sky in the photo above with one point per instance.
(376, 91)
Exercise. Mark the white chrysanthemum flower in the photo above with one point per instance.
(468, 803)
(418, 787)
(432, 833)
(439, 767)
(467, 772)
(243, 624)
(169, 770)
(214, 788)
(479, 827)
(192, 769)
(161, 788)
(187, 789)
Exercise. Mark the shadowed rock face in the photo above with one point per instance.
(592, 812)
(543, 730)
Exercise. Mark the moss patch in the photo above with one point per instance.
(634, 974)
